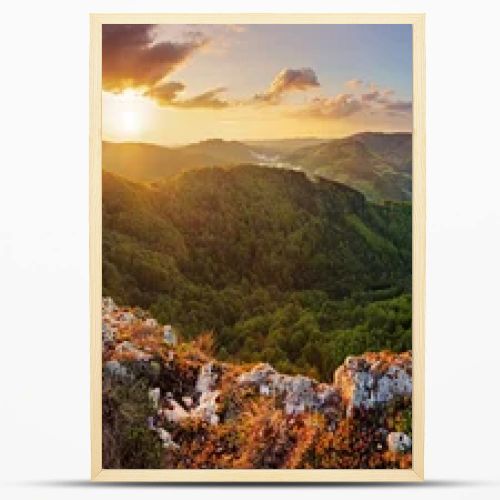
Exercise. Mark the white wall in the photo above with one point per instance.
(44, 363)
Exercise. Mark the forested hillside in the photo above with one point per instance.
(282, 269)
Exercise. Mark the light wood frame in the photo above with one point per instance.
(259, 475)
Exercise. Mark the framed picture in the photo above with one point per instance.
(257, 245)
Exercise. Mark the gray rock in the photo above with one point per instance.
(398, 442)
(115, 369)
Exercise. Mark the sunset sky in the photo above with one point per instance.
(175, 84)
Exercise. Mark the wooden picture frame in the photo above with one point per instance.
(416, 473)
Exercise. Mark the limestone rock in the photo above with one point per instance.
(168, 335)
(299, 393)
(154, 397)
(166, 438)
(129, 347)
(373, 379)
(206, 378)
(173, 411)
(398, 442)
(114, 368)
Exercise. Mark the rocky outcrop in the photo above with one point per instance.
(367, 381)
(207, 406)
(374, 379)
(185, 388)
(398, 442)
(299, 393)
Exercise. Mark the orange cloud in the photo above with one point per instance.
(167, 94)
(339, 106)
(208, 99)
(353, 84)
(288, 80)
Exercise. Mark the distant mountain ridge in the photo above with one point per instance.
(149, 162)
(284, 146)
(377, 164)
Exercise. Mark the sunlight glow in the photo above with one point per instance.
(130, 122)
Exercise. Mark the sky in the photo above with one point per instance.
(177, 84)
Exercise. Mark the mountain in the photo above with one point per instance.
(171, 405)
(283, 146)
(378, 164)
(219, 152)
(148, 162)
(282, 269)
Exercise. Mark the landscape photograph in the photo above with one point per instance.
(257, 187)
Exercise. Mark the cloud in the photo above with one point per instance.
(288, 80)
(167, 94)
(353, 84)
(383, 101)
(372, 96)
(132, 59)
(339, 106)
(208, 99)
(399, 106)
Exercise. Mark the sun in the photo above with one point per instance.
(128, 114)
(130, 122)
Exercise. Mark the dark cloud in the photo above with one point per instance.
(288, 80)
(132, 58)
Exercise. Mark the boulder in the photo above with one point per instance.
(299, 393)
(374, 379)
(129, 347)
(257, 375)
(169, 336)
(108, 305)
(206, 378)
(166, 438)
(114, 368)
(154, 397)
(398, 442)
(207, 407)
(173, 411)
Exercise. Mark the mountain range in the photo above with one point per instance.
(377, 164)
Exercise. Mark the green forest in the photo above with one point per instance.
(283, 269)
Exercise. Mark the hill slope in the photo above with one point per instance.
(148, 162)
(283, 146)
(284, 270)
(379, 165)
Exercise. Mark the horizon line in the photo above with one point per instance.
(243, 141)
